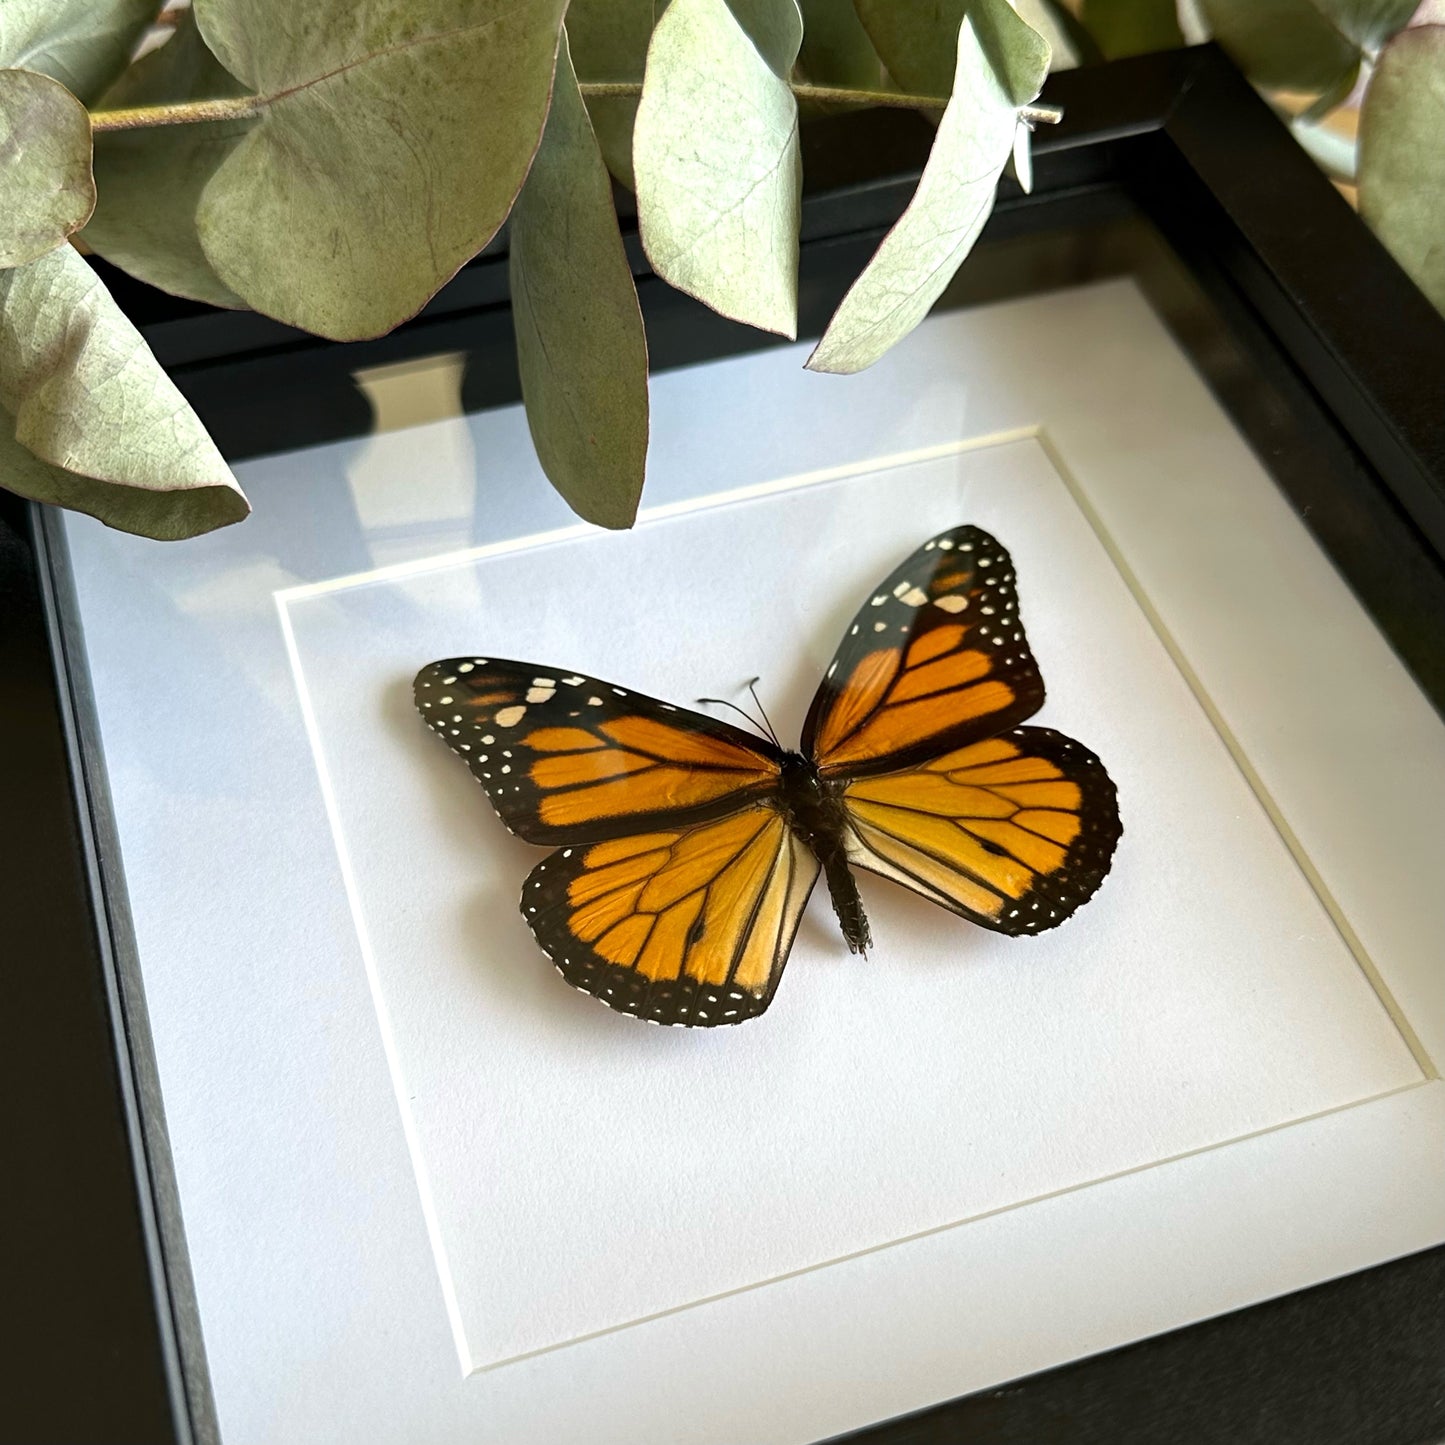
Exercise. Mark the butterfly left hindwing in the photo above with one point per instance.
(688, 925)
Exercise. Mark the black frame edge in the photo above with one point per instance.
(1161, 104)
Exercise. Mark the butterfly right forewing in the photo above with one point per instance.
(935, 658)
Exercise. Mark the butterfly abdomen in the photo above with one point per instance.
(814, 809)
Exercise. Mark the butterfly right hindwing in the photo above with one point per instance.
(1014, 833)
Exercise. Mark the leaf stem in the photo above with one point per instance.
(243, 107)
(185, 112)
(839, 94)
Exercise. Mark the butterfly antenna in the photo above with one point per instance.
(723, 702)
(753, 688)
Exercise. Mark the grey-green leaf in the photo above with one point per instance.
(1132, 27)
(918, 43)
(1369, 23)
(84, 44)
(46, 188)
(393, 140)
(1309, 45)
(609, 43)
(580, 344)
(836, 48)
(1402, 158)
(151, 181)
(955, 194)
(915, 42)
(718, 168)
(88, 420)
(775, 27)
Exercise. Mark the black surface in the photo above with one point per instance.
(84, 1352)
(1327, 358)
(1361, 1359)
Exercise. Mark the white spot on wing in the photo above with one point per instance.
(914, 597)
(951, 603)
(510, 716)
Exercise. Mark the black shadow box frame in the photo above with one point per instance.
(1323, 352)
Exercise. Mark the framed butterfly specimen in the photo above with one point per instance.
(686, 847)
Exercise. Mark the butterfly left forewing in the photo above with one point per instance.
(570, 759)
(1014, 833)
(935, 658)
(684, 925)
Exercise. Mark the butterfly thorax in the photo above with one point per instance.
(813, 806)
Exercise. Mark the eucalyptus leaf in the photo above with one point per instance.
(917, 43)
(151, 180)
(1369, 23)
(46, 188)
(84, 44)
(1330, 99)
(999, 68)
(836, 48)
(718, 167)
(1402, 158)
(776, 29)
(1132, 27)
(580, 344)
(1021, 159)
(1308, 45)
(392, 140)
(88, 420)
(609, 39)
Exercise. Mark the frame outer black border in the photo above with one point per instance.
(104, 1277)
(1325, 302)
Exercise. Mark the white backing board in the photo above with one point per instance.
(586, 1170)
(1237, 1039)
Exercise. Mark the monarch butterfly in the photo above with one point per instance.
(687, 847)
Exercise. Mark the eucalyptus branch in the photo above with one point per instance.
(183, 112)
(835, 94)
(901, 100)
(243, 107)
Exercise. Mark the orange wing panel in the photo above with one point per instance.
(570, 759)
(691, 926)
(1015, 856)
(935, 658)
